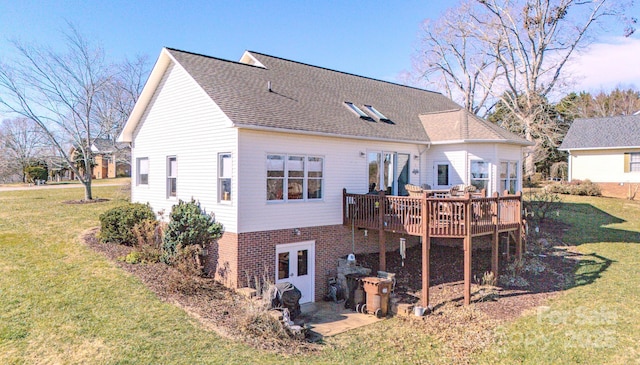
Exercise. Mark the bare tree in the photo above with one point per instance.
(453, 57)
(59, 92)
(23, 143)
(528, 42)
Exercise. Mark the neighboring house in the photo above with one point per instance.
(604, 150)
(268, 145)
(110, 159)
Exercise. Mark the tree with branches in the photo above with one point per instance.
(23, 143)
(526, 45)
(73, 96)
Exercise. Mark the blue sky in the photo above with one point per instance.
(370, 38)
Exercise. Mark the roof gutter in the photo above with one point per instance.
(597, 148)
(323, 134)
(509, 141)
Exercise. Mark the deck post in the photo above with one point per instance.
(426, 247)
(495, 211)
(344, 207)
(467, 250)
(381, 234)
(519, 246)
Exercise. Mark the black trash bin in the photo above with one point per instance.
(355, 292)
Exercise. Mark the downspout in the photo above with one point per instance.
(420, 153)
(569, 167)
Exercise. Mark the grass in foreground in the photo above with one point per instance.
(63, 303)
(598, 320)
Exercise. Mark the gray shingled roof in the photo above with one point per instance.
(462, 125)
(607, 132)
(310, 98)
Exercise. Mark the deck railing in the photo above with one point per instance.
(453, 217)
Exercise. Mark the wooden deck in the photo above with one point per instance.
(443, 217)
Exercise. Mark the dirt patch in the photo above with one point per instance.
(83, 201)
(546, 271)
(215, 306)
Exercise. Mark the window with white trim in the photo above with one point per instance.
(480, 174)
(142, 171)
(442, 169)
(508, 176)
(634, 162)
(302, 175)
(172, 176)
(224, 177)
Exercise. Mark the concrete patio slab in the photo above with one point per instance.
(329, 318)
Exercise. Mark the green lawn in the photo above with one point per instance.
(63, 303)
(597, 321)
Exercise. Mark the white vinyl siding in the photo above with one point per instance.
(601, 166)
(182, 120)
(343, 167)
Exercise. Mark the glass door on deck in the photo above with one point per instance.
(388, 171)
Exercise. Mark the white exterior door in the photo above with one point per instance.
(295, 263)
(441, 175)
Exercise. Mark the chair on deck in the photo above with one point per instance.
(414, 190)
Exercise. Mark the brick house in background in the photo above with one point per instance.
(268, 145)
(111, 159)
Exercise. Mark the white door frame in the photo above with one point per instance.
(435, 174)
(306, 285)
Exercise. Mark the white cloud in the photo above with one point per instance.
(603, 66)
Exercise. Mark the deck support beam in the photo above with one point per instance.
(495, 243)
(381, 233)
(467, 252)
(426, 248)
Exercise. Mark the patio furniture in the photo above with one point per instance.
(414, 190)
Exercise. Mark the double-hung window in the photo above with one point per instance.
(172, 176)
(480, 174)
(142, 171)
(508, 176)
(632, 162)
(224, 177)
(294, 177)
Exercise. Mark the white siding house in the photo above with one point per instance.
(604, 150)
(268, 145)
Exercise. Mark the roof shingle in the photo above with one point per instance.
(607, 132)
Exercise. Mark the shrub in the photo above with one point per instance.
(187, 267)
(148, 234)
(540, 204)
(189, 225)
(36, 173)
(116, 224)
(576, 187)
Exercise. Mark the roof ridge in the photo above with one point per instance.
(212, 57)
(344, 72)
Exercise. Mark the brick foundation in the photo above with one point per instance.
(620, 190)
(237, 260)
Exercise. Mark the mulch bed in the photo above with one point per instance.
(218, 308)
(501, 303)
(83, 201)
(466, 328)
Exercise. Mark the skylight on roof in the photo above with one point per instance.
(378, 115)
(357, 110)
